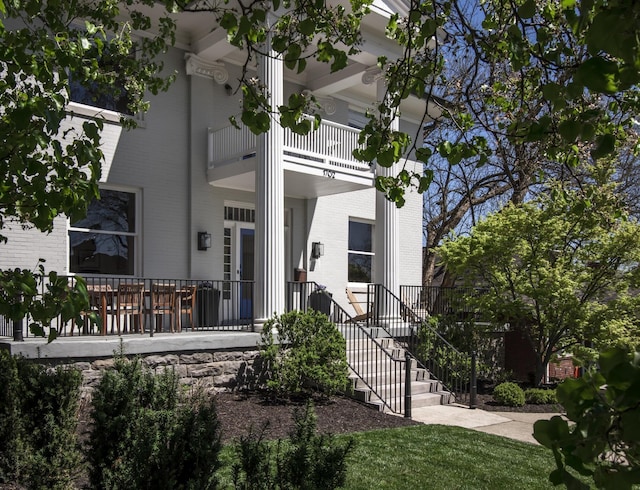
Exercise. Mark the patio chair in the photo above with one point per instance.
(163, 302)
(187, 302)
(130, 303)
(100, 302)
(356, 304)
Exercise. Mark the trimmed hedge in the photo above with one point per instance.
(509, 394)
(38, 421)
(147, 433)
(308, 354)
(540, 396)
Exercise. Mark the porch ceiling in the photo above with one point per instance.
(200, 34)
(297, 184)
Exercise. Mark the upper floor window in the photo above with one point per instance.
(105, 241)
(113, 97)
(361, 253)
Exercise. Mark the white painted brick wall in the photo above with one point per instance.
(167, 161)
(25, 247)
(328, 221)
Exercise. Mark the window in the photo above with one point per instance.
(360, 252)
(226, 287)
(105, 241)
(113, 97)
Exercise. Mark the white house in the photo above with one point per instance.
(187, 196)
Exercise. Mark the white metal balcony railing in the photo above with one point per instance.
(329, 147)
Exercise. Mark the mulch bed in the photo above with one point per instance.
(486, 402)
(240, 412)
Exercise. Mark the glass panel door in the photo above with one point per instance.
(246, 272)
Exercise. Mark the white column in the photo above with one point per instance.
(269, 235)
(387, 224)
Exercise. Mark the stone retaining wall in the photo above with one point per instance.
(218, 370)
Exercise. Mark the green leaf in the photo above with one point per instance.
(570, 130)
(599, 75)
(550, 432)
(605, 145)
(527, 10)
(307, 26)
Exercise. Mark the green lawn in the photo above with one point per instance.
(439, 457)
(443, 457)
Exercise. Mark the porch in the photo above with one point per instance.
(318, 164)
(397, 360)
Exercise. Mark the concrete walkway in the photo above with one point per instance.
(515, 425)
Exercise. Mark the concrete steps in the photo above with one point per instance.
(377, 374)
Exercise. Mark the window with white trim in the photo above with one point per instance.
(105, 242)
(360, 254)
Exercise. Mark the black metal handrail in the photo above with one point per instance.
(379, 367)
(145, 305)
(411, 329)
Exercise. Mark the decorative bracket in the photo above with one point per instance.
(371, 75)
(326, 103)
(208, 69)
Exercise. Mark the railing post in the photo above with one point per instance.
(474, 382)
(407, 386)
(18, 336)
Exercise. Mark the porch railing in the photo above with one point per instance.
(124, 305)
(331, 145)
(442, 301)
(410, 329)
(380, 369)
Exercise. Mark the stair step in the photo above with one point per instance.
(429, 399)
(380, 363)
(416, 376)
(417, 387)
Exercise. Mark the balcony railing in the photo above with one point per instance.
(331, 147)
(127, 305)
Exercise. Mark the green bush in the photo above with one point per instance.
(539, 396)
(509, 394)
(308, 355)
(307, 461)
(12, 451)
(148, 434)
(600, 435)
(39, 409)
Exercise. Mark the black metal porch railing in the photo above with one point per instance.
(380, 369)
(126, 305)
(452, 302)
(410, 328)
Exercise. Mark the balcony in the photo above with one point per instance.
(318, 164)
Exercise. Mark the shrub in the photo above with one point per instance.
(509, 394)
(600, 436)
(12, 453)
(539, 396)
(39, 409)
(310, 354)
(307, 461)
(147, 434)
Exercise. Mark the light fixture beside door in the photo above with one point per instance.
(317, 250)
(204, 240)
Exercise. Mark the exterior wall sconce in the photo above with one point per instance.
(317, 250)
(204, 240)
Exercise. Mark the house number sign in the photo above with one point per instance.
(329, 173)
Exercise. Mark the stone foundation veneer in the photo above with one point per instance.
(217, 371)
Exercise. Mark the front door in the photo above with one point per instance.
(246, 272)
